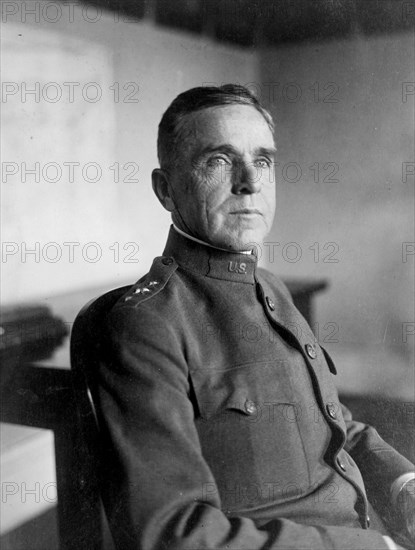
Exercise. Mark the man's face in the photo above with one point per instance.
(223, 183)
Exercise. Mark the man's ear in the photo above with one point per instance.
(162, 189)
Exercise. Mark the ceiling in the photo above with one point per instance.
(271, 22)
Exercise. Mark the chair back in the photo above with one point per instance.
(85, 345)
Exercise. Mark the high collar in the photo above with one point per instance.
(209, 261)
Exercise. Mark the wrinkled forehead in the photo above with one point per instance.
(241, 126)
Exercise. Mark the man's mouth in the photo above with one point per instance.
(247, 212)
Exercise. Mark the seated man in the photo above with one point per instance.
(216, 439)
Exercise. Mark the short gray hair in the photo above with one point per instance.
(195, 99)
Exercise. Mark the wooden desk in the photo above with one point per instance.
(41, 395)
(43, 398)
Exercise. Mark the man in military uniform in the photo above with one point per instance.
(223, 421)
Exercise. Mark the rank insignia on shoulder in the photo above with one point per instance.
(152, 283)
(141, 290)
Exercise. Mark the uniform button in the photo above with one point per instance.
(250, 406)
(311, 351)
(368, 521)
(167, 261)
(331, 410)
(270, 303)
(341, 465)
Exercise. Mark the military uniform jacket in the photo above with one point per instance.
(224, 426)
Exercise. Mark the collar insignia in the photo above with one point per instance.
(237, 267)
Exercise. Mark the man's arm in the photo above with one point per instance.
(154, 466)
(404, 505)
(386, 473)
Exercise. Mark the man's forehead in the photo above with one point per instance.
(238, 121)
(232, 113)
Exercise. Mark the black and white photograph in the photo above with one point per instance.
(207, 275)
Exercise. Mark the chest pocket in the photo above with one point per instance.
(248, 428)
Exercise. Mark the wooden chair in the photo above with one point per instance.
(85, 343)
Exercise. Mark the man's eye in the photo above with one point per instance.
(263, 163)
(217, 161)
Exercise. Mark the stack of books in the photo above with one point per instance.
(29, 333)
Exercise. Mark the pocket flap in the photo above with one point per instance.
(242, 389)
(238, 399)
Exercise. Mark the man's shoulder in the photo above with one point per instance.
(144, 309)
(156, 289)
(150, 286)
(274, 282)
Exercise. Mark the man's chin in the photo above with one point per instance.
(243, 242)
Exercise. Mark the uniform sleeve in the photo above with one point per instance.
(154, 472)
(379, 463)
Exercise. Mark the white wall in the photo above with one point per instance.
(368, 213)
(162, 63)
(35, 130)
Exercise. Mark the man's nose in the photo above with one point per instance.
(246, 180)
